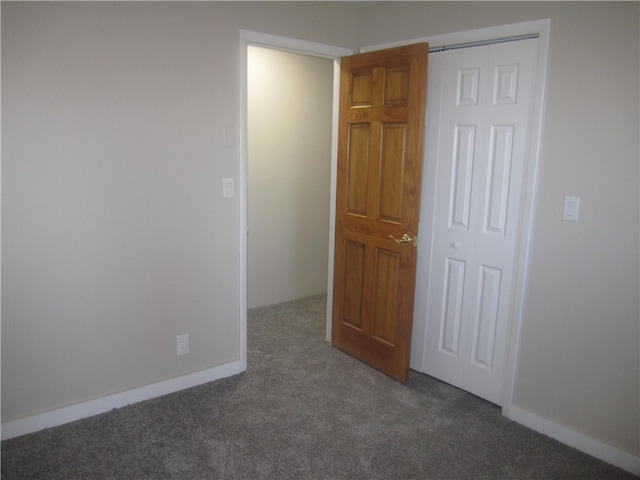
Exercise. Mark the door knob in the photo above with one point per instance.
(406, 240)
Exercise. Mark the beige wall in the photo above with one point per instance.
(290, 100)
(579, 355)
(116, 238)
(115, 234)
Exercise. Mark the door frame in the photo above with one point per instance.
(334, 53)
(542, 29)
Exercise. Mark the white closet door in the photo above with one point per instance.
(482, 100)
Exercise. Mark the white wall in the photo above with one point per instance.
(579, 356)
(290, 99)
(115, 234)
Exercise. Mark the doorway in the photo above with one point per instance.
(481, 97)
(292, 45)
(289, 174)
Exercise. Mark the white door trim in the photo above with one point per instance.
(299, 46)
(542, 29)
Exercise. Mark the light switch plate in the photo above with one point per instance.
(227, 188)
(571, 208)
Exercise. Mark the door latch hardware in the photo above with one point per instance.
(406, 240)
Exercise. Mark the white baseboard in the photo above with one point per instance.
(579, 441)
(81, 410)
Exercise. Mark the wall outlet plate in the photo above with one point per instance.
(182, 344)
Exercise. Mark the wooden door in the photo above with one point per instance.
(381, 131)
(481, 97)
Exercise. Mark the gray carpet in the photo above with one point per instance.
(302, 410)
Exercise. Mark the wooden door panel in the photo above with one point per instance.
(387, 275)
(357, 184)
(361, 93)
(374, 293)
(392, 172)
(354, 268)
(381, 128)
(396, 86)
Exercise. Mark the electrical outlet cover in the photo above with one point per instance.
(182, 344)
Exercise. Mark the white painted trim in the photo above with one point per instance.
(242, 202)
(89, 408)
(293, 45)
(333, 188)
(297, 46)
(579, 441)
(529, 203)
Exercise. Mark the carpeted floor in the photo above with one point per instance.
(302, 410)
